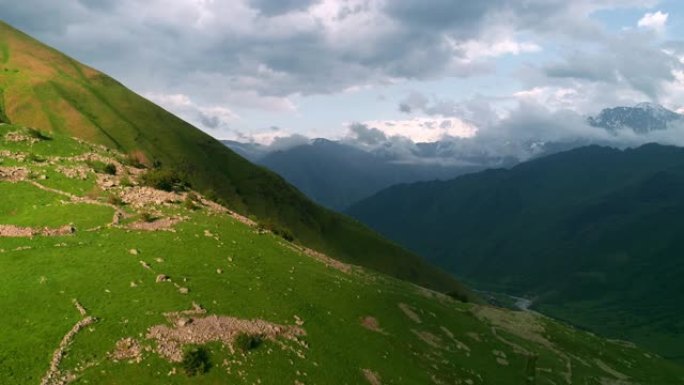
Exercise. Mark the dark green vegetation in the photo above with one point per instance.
(120, 300)
(42, 88)
(593, 236)
(247, 342)
(196, 361)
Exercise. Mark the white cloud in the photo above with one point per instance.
(425, 129)
(552, 97)
(211, 117)
(655, 21)
(473, 50)
(170, 101)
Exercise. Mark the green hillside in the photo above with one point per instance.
(42, 88)
(592, 236)
(108, 281)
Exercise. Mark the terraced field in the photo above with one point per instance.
(105, 280)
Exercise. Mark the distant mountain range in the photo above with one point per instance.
(337, 174)
(592, 235)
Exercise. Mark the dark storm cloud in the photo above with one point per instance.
(467, 19)
(405, 108)
(279, 7)
(100, 5)
(282, 143)
(463, 16)
(365, 135)
(209, 121)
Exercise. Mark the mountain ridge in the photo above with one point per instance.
(336, 174)
(47, 90)
(590, 234)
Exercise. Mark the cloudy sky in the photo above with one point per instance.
(371, 69)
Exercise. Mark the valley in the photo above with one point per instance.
(352, 192)
(142, 274)
(591, 234)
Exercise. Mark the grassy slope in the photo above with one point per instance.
(262, 278)
(594, 235)
(42, 88)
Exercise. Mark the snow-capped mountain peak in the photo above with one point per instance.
(642, 118)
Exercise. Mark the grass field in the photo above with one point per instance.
(348, 325)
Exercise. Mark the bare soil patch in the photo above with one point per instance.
(372, 324)
(191, 329)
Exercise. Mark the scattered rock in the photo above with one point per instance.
(182, 321)
(142, 197)
(203, 330)
(127, 349)
(13, 174)
(80, 307)
(12, 231)
(163, 278)
(54, 375)
(16, 137)
(372, 377)
(410, 312)
(428, 338)
(79, 172)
